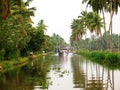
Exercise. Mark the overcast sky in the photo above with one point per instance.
(58, 15)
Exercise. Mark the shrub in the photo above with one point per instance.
(113, 58)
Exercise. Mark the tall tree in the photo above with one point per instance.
(110, 6)
(5, 7)
(15, 28)
(37, 37)
(90, 21)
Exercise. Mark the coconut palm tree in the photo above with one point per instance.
(110, 6)
(90, 21)
(78, 30)
(94, 23)
(98, 6)
(113, 8)
(5, 7)
(73, 37)
(41, 26)
(20, 15)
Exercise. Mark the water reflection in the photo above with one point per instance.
(30, 77)
(91, 76)
(71, 72)
(62, 78)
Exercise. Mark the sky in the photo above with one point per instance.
(58, 16)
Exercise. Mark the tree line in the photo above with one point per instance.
(94, 21)
(18, 36)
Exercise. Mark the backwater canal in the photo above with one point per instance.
(69, 72)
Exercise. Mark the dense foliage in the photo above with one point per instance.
(101, 43)
(108, 59)
(18, 37)
(94, 22)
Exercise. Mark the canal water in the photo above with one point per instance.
(69, 72)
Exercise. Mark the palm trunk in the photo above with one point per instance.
(104, 21)
(110, 25)
(5, 13)
(101, 48)
(106, 35)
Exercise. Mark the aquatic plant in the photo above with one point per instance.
(108, 59)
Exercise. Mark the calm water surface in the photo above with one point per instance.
(69, 72)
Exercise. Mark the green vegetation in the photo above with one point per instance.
(99, 43)
(13, 64)
(18, 37)
(88, 20)
(107, 59)
(94, 22)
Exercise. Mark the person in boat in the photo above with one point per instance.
(31, 53)
(43, 53)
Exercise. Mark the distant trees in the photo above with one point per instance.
(58, 42)
(95, 43)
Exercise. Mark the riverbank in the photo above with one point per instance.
(108, 59)
(12, 64)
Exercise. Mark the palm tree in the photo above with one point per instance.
(113, 8)
(41, 26)
(73, 36)
(5, 7)
(21, 14)
(98, 6)
(78, 30)
(90, 21)
(94, 23)
(110, 6)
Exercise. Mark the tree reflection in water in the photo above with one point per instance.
(30, 77)
(63, 73)
(91, 76)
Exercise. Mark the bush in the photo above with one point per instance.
(113, 58)
(103, 57)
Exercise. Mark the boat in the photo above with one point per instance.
(63, 52)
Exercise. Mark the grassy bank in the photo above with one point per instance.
(108, 59)
(12, 64)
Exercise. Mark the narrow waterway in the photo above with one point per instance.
(69, 72)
